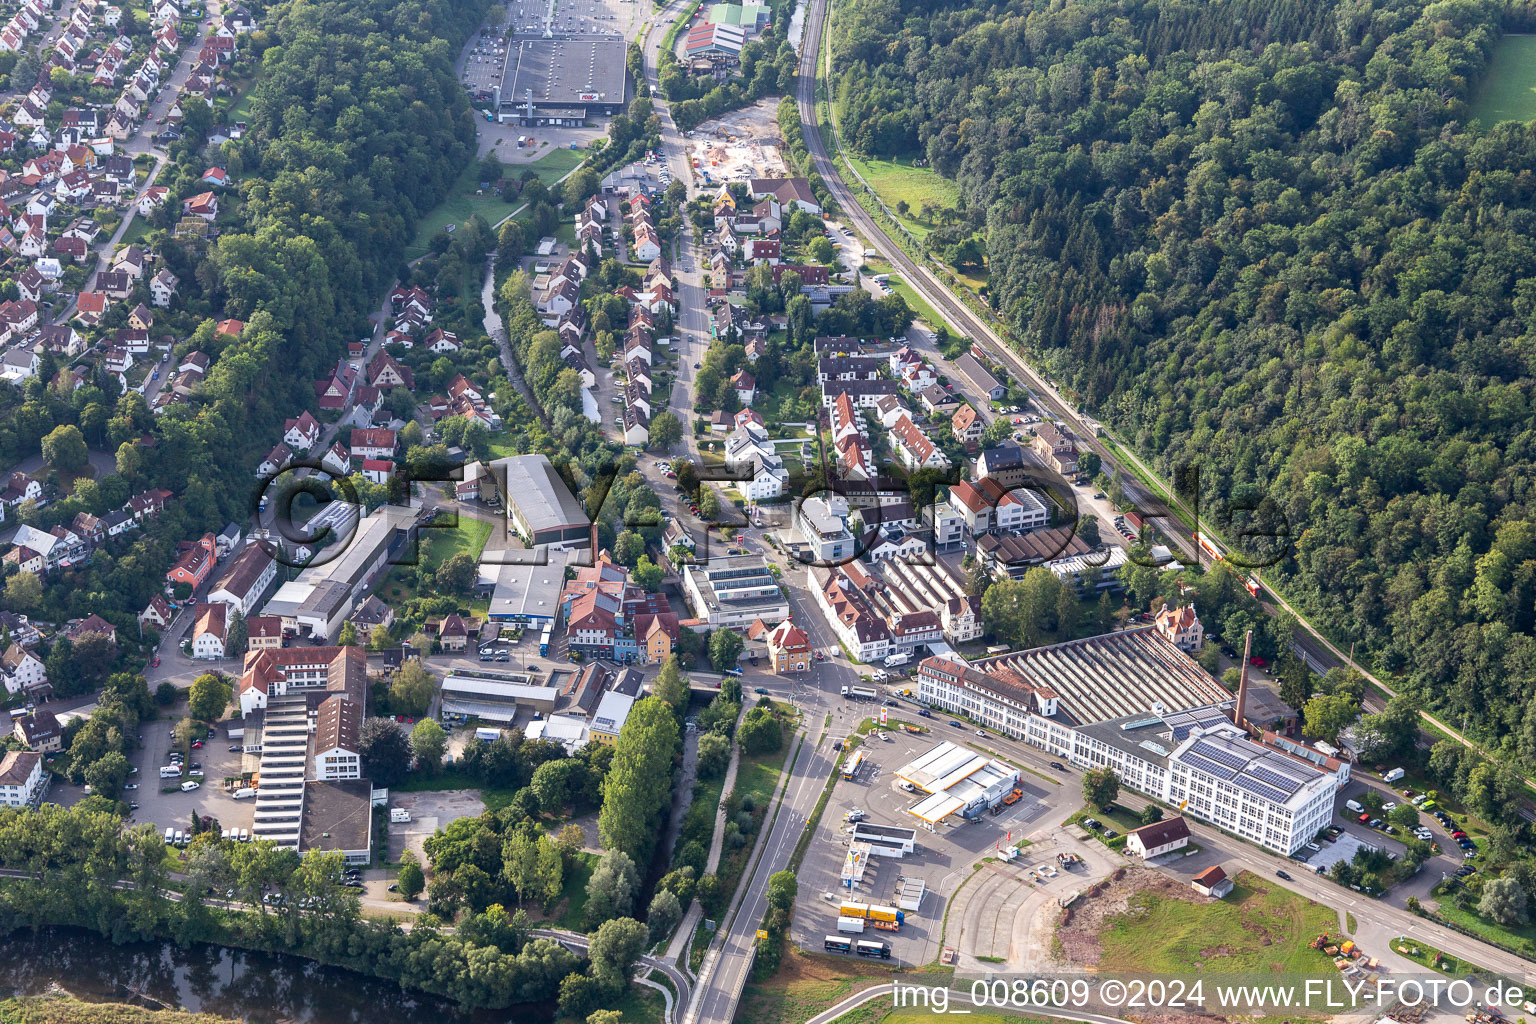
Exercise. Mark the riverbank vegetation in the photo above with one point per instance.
(81, 868)
(1290, 264)
(59, 1008)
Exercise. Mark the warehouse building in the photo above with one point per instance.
(956, 781)
(1134, 702)
(527, 593)
(495, 699)
(539, 506)
(562, 80)
(325, 595)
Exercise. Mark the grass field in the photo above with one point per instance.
(808, 983)
(1509, 93)
(919, 305)
(1445, 963)
(1518, 937)
(639, 1004)
(1258, 928)
(463, 202)
(136, 230)
(570, 910)
(436, 547)
(897, 180)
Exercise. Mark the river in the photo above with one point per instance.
(258, 987)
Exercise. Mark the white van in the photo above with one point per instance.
(1394, 775)
(1354, 805)
(398, 815)
(181, 838)
(187, 787)
(245, 835)
(246, 793)
(170, 771)
(170, 836)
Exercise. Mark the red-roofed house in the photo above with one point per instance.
(378, 470)
(789, 648)
(373, 443)
(195, 563)
(204, 205)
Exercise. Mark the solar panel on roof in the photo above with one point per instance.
(1220, 755)
(1259, 789)
(1206, 765)
(1274, 778)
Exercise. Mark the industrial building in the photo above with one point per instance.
(956, 781)
(735, 591)
(1043, 695)
(540, 507)
(527, 593)
(561, 80)
(495, 697)
(1134, 702)
(1276, 794)
(301, 712)
(325, 595)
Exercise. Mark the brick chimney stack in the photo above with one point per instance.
(1240, 710)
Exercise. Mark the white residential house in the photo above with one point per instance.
(914, 448)
(750, 448)
(337, 460)
(22, 669)
(209, 630)
(301, 433)
(162, 288)
(21, 778)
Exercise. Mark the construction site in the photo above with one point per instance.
(737, 146)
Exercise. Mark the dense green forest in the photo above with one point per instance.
(1266, 238)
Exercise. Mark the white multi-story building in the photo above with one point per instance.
(338, 728)
(246, 580)
(21, 778)
(750, 448)
(1071, 700)
(823, 525)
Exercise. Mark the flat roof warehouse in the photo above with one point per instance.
(564, 75)
(956, 779)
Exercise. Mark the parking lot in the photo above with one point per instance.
(943, 857)
(428, 811)
(174, 809)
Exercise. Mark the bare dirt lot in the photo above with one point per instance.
(1078, 935)
(429, 812)
(740, 145)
